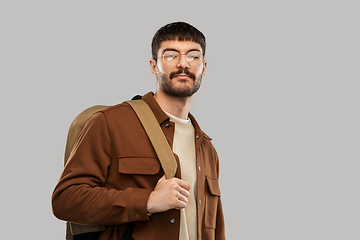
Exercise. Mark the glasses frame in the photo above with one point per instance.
(186, 55)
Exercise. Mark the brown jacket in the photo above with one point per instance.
(113, 169)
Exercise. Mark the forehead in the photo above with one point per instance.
(179, 46)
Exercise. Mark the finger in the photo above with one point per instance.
(184, 184)
(183, 198)
(184, 192)
(180, 205)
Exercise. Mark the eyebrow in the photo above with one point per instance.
(175, 50)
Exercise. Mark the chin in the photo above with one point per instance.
(182, 92)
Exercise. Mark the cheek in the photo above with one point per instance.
(199, 72)
(162, 69)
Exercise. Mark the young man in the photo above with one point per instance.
(113, 176)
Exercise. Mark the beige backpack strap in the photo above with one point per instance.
(156, 136)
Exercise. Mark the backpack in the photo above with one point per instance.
(76, 231)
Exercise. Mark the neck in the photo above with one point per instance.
(176, 106)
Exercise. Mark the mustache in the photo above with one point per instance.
(181, 71)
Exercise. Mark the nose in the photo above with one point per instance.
(183, 63)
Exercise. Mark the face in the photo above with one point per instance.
(181, 80)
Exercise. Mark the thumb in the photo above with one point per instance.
(161, 182)
(163, 178)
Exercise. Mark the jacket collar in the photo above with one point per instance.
(162, 117)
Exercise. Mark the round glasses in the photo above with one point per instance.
(172, 58)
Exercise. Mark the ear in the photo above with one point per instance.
(153, 67)
(204, 68)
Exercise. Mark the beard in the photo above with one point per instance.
(169, 88)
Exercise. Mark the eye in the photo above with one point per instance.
(193, 56)
(171, 55)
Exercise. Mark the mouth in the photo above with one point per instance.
(182, 76)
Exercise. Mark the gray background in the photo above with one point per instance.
(280, 99)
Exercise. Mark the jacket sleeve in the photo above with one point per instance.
(80, 195)
(220, 221)
(220, 224)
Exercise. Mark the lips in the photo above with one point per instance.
(182, 76)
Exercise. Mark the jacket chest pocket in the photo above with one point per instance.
(211, 204)
(139, 165)
(139, 172)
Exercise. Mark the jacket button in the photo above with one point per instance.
(199, 168)
(199, 201)
(198, 136)
(172, 220)
(167, 125)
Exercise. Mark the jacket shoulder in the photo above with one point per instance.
(118, 109)
(120, 114)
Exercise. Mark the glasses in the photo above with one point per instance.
(172, 58)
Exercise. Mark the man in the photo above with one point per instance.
(113, 176)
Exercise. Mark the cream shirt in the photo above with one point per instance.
(184, 147)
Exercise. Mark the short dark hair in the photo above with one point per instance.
(180, 31)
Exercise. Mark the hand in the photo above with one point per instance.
(168, 194)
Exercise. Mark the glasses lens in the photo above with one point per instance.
(171, 58)
(194, 58)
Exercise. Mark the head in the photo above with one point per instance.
(181, 78)
(180, 31)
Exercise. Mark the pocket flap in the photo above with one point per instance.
(213, 184)
(139, 165)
